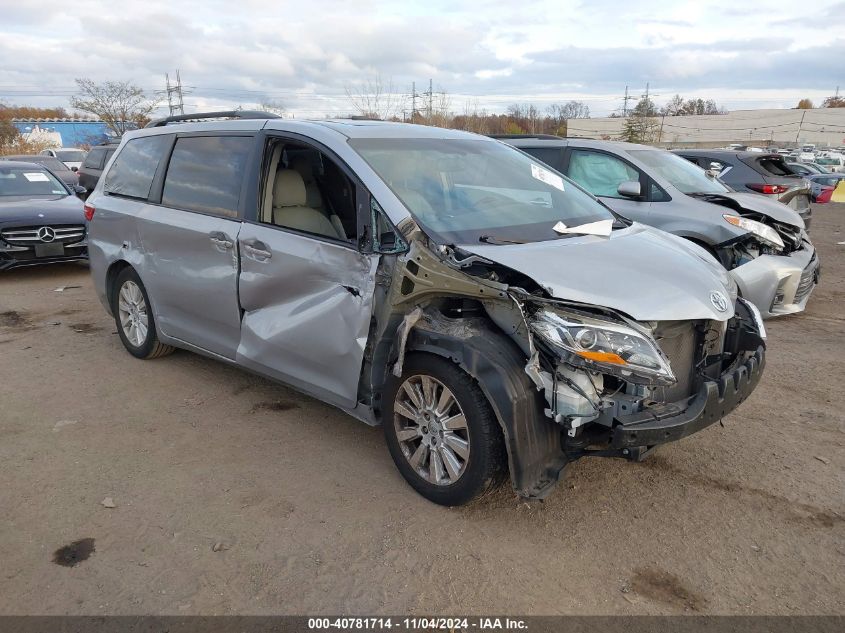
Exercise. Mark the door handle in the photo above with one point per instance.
(218, 238)
(258, 250)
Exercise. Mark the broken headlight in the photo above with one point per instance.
(611, 348)
(764, 232)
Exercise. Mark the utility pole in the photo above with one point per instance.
(430, 94)
(413, 100)
(800, 123)
(175, 102)
(625, 100)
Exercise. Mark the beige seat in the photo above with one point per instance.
(290, 210)
(313, 197)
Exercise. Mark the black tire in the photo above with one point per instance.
(486, 466)
(150, 347)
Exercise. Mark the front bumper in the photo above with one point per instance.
(670, 422)
(779, 284)
(21, 256)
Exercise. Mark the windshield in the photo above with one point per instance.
(464, 191)
(29, 181)
(70, 155)
(681, 174)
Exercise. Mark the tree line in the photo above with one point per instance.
(122, 105)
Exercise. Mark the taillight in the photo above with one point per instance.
(774, 189)
(825, 195)
(89, 211)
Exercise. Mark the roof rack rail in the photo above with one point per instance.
(227, 114)
(544, 137)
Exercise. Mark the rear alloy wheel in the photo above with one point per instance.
(441, 432)
(134, 319)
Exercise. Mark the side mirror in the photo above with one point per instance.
(79, 190)
(629, 189)
(74, 168)
(717, 167)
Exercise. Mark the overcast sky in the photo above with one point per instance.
(304, 54)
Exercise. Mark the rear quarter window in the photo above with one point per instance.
(132, 172)
(94, 160)
(774, 166)
(549, 155)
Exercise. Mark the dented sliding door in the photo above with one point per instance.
(307, 304)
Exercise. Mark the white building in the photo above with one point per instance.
(825, 127)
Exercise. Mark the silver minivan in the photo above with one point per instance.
(494, 318)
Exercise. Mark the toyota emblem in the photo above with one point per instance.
(719, 301)
(46, 234)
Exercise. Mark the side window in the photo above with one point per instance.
(549, 155)
(307, 191)
(132, 172)
(94, 160)
(656, 193)
(206, 173)
(600, 174)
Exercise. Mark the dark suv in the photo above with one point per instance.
(96, 160)
(756, 172)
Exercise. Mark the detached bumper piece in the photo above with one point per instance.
(714, 400)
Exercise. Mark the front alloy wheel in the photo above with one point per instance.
(441, 431)
(431, 429)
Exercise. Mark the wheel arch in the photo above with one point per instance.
(112, 274)
(497, 364)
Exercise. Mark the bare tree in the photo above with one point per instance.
(678, 106)
(375, 99)
(559, 113)
(121, 105)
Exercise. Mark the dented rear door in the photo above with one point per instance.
(306, 306)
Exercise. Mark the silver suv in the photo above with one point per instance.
(489, 314)
(762, 242)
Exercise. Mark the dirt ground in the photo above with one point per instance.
(234, 495)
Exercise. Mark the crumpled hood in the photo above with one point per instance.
(26, 211)
(759, 203)
(645, 273)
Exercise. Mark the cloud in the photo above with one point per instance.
(304, 55)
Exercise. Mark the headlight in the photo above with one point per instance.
(604, 346)
(764, 232)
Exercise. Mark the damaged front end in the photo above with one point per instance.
(619, 388)
(565, 379)
(773, 262)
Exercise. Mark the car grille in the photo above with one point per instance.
(808, 280)
(677, 340)
(28, 235)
